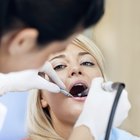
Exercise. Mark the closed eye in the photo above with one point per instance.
(59, 67)
(87, 63)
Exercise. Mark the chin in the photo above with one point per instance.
(75, 111)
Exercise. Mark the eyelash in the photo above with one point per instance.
(59, 67)
(86, 63)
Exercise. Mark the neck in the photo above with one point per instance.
(63, 129)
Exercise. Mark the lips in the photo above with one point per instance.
(79, 90)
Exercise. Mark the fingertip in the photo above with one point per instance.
(46, 85)
(51, 87)
(45, 67)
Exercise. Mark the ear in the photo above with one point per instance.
(44, 102)
(23, 41)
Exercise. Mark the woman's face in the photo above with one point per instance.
(76, 68)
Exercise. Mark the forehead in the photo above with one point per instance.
(71, 49)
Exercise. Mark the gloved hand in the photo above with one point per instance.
(3, 111)
(28, 79)
(97, 108)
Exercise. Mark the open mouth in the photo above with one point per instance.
(79, 90)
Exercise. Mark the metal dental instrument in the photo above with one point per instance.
(48, 69)
(65, 93)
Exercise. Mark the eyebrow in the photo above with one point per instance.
(63, 56)
(83, 53)
(59, 56)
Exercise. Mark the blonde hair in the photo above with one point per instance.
(88, 45)
(39, 122)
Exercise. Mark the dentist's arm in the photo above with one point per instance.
(96, 111)
(29, 79)
(23, 81)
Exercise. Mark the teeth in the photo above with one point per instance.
(79, 84)
(79, 94)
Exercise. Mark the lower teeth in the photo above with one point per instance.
(79, 94)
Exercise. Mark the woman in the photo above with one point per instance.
(53, 116)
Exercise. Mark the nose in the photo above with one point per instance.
(75, 71)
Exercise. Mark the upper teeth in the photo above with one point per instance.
(79, 84)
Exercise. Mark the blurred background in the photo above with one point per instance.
(118, 37)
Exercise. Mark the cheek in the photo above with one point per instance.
(51, 99)
(59, 107)
(65, 110)
(94, 73)
(63, 75)
(55, 101)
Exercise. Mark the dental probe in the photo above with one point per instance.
(65, 92)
